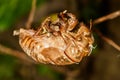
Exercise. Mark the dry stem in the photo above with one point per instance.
(15, 53)
(102, 19)
(108, 40)
(31, 15)
(107, 17)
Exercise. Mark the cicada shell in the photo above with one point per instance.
(55, 42)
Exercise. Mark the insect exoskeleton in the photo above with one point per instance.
(55, 42)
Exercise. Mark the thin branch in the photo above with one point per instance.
(15, 53)
(22, 56)
(107, 17)
(102, 19)
(31, 15)
(108, 40)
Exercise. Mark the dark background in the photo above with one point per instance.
(102, 64)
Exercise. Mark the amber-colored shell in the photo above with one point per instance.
(55, 44)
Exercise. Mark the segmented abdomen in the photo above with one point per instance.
(44, 51)
(52, 49)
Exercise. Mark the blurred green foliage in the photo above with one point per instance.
(46, 71)
(7, 66)
(12, 10)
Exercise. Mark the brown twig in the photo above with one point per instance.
(15, 53)
(22, 56)
(31, 15)
(107, 17)
(102, 19)
(108, 40)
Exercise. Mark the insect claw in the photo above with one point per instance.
(16, 32)
(64, 11)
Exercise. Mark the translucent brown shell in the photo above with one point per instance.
(55, 42)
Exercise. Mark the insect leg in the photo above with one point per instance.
(74, 42)
(44, 26)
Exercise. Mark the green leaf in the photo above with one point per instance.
(48, 72)
(12, 10)
(7, 66)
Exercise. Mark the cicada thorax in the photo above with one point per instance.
(55, 43)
